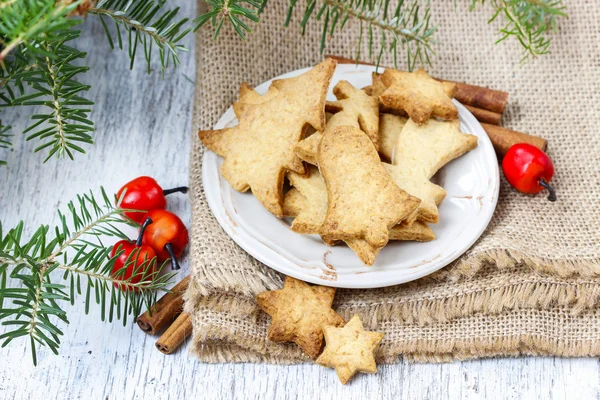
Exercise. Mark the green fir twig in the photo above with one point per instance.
(529, 21)
(144, 23)
(5, 142)
(74, 253)
(52, 84)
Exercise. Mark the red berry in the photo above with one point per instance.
(142, 263)
(528, 169)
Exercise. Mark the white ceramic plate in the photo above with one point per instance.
(471, 182)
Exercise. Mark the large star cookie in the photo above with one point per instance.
(260, 148)
(363, 201)
(299, 313)
(354, 108)
(350, 349)
(419, 95)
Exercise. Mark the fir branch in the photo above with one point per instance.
(74, 248)
(51, 80)
(24, 23)
(529, 21)
(146, 24)
(4, 139)
(404, 26)
(234, 11)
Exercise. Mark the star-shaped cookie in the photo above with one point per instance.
(299, 313)
(350, 349)
(260, 148)
(419, 95)
(354, 107)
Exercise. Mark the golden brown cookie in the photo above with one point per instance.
(353, 108)
(376, 89)
(424, 149)
(307, 148)
(417, 231)
(350, 349)
(249, 96)
(363, 201)
(420, 151)
(299, 313)
(418, 185)
(260, 148)
(312, 212)
(293, 201)
(357, 103)
(308, 202)
(390, 127)
(419, 95)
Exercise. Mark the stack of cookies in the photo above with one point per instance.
(359, 167)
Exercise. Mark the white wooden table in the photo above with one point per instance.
(143, 127)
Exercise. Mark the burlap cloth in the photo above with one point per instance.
(530, 285)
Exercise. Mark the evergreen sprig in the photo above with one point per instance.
(39, 67)
(529, 21)
(147, 24)
(404, 26)
(235, 11)
(51, 82)
(5, 142)
(25, 23)
(74, 252)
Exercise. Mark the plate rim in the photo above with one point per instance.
(254, 246)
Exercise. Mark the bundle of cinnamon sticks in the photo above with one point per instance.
(168, 313)
(487, 106)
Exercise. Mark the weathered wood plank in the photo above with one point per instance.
(143, 127)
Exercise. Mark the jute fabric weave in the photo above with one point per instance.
(530, 285)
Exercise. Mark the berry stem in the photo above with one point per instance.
(181, 189)
(552, 194)
(147, 222)
(171, 251)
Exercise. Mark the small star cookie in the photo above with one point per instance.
(350, 349)
(299, 313)
(419, 95)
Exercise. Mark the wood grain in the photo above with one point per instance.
(137, 135)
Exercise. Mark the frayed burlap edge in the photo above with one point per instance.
(221, 351)
(471, 263)
(217, 343)
(467, 267)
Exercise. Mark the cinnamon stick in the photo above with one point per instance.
(165, 310)
(470, 95)
(485, 116)
(480, 97)
(503, 139)
(175, 335)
